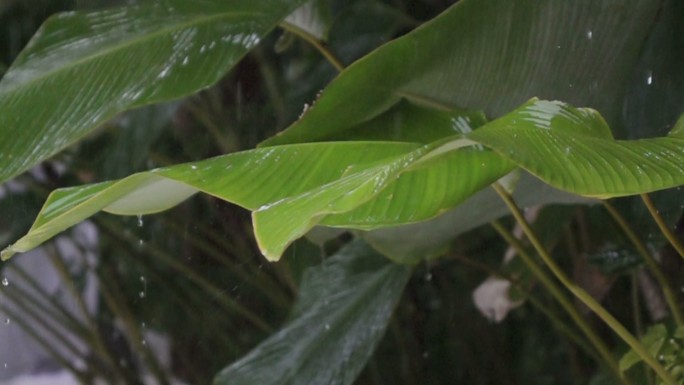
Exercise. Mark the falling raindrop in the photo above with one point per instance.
(327, 326)
(140, 221)
(590, 34)
(5, 282)
(141, 294)
(428, 276)
(649, 78)
(7, 321)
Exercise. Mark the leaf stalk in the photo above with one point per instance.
(580, 293)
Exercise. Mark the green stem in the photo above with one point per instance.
(314, 41)
(268, 74)
(48, 327)
(93, 334)
(562, 299)
(48, 346)
(216, 292)
(651, 263)
(636, 314)
(672, 237)
(582, 295)
(111, 293)
(270, 290)
(223, 143)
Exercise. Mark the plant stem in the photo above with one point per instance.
(314, 41)
(39, 338)
(636, 314)
(582, 295)
(93, 335)
(672, 237)
(562, 299)
(216, 292)
(651, 263)
(111, 293)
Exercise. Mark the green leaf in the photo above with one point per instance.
(293, 188)
(250, 179)
(491, 55)
(368, 185)
(82, 68)
(573, 149)
(653, 341)
(343, 311)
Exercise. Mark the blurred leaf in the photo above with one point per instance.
(653, 340)
(83, 68)
(491, 55)
(411, 122)
(313, 17)
(612, 259)
(125, 148)
(573, 150)
(342, 312)
(656, 94)
(364, 25)
(654, 100)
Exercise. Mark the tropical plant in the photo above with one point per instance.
(454, 124)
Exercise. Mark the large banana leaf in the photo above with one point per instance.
(342, 312)
(289, 188)
(365, 185)
(492, 55)
(82, 68)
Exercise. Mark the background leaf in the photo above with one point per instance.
(341, 314)
(83, 68)
(418, 241)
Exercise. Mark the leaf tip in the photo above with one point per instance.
(6, 253)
